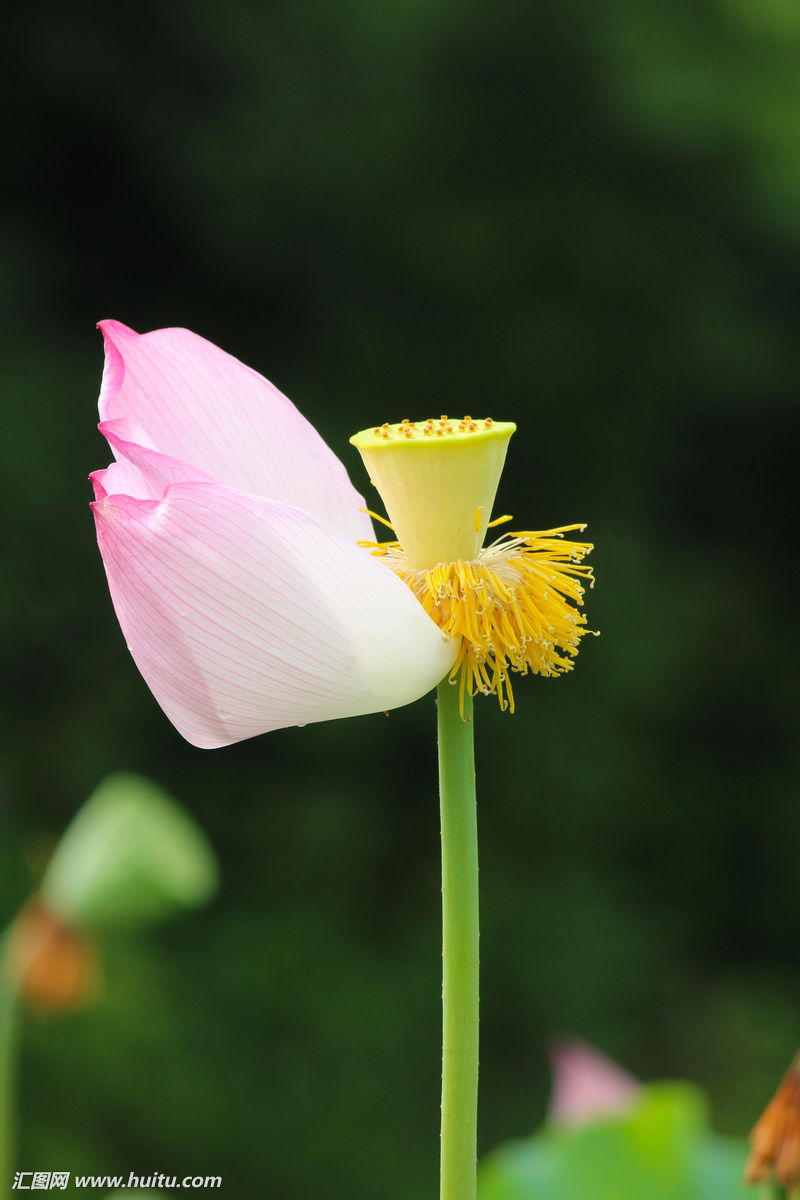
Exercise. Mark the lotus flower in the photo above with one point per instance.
(228, 531)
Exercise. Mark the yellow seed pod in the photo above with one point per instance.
(438, 479)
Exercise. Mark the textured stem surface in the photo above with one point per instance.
(459, 946)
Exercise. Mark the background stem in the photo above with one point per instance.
(8, 1072)
(459, 946)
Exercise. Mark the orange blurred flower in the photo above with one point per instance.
(775, 1139)
(54, 966)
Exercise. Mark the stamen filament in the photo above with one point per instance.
(376, 517)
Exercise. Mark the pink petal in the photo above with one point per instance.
(245, 614)
(139, 472)
(122, 477)
(587, 1085)
(158, 470)
(190, 401)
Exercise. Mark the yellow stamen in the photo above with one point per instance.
(515, 607)
(376, 517)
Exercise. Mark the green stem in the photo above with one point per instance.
(459, 946)
(8, 1073)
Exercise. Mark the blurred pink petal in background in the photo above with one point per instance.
(587, 1085)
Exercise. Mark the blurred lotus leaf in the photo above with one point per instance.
(660, 1148)
(130, 856)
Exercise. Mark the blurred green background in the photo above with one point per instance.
(586, 219)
